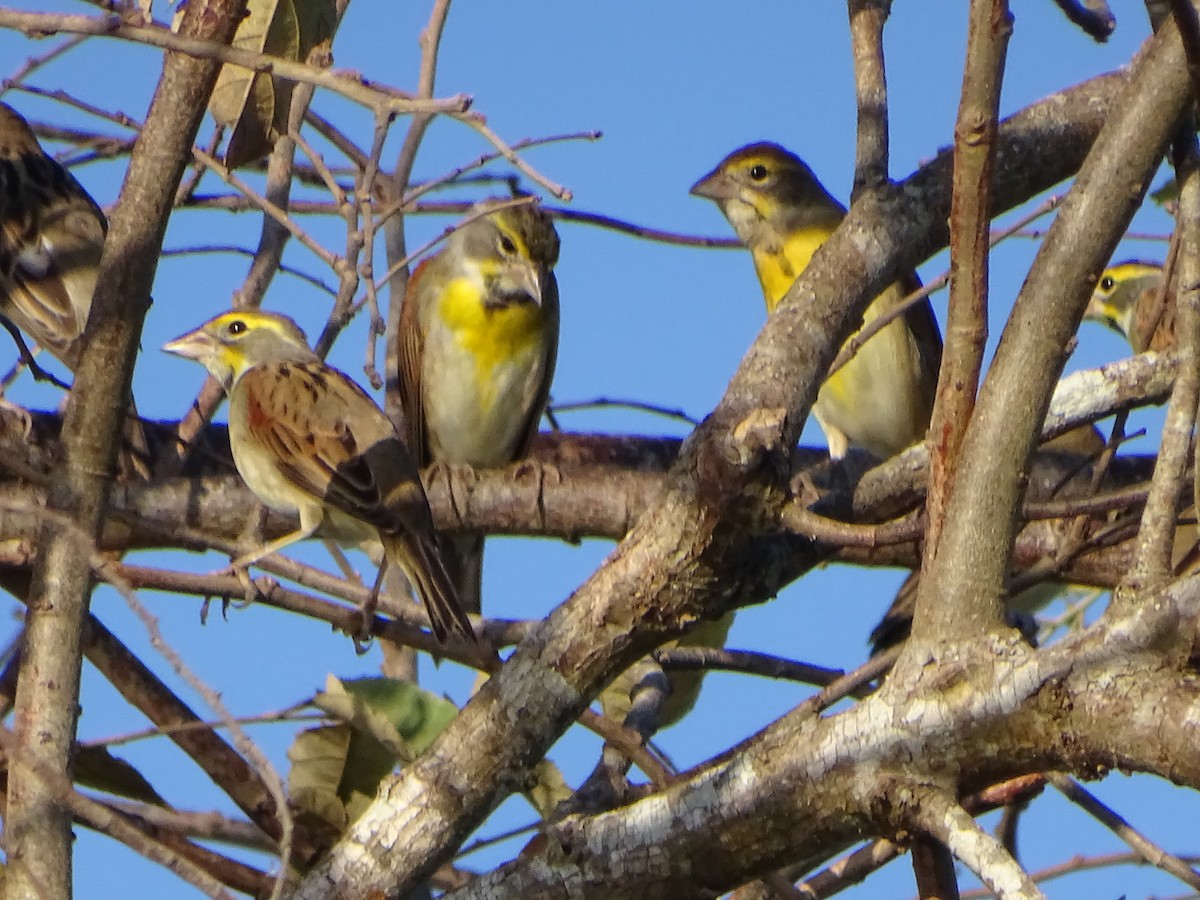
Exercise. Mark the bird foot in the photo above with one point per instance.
(251, 590)
(365, 632)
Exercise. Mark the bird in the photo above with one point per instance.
(1127, 299)
(882, 399)
(51, 236)
(616, 699)
(309, 442)
(478, 341)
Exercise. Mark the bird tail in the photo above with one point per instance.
(463, 557)
(420, 560)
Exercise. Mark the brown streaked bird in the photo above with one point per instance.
(478, 342)
(310, 442)
(882, 399)
(51, 236)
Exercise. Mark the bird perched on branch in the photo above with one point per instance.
(477, 345)
(51, 236)
(881, 400)
(1130, 299)
(1127, 299)
(310, 442)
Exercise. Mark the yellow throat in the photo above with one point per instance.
(778, 268)
(492, 336)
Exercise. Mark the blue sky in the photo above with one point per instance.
(673, 87)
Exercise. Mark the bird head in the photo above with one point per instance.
(1115, 300)
(763, 185)
(514, 249)
(234, 342)
(16, 137)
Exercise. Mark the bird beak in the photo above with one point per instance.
(196, 345)
(715, 186)
(526, 280)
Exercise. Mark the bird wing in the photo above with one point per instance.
(549, 358)
(50, 228)
(927, 339)
(411, 353)
(330, 439)
(1153, 326)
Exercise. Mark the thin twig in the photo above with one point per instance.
(373, 95)
(1138, 842)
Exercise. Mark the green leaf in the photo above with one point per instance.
(336, 769)
(1167, 192)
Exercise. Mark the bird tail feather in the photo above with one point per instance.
(421, 562)
(463, 558)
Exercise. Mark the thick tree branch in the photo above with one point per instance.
(47, 698)
(760, 807)
(963, 589)
(1154, 563)
(685, 559)
(989, 27)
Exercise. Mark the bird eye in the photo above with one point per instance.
(758, 172)
(1107, 283)
(507, 247)
(237, 326)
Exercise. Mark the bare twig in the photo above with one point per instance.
(1154, 562)
(1092, 16)
(989, 27)
(1138, 842)
(867, 18)
(374, 96)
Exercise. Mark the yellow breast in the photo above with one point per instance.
(777, 270)
(493, 336)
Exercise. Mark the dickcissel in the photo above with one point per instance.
(310, 442)
(51, 236)
(881, 400)
(477, 345)
(1127, 300)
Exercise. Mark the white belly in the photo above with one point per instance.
(477, 420)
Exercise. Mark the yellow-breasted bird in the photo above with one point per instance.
(51, 236)
(1129, 300)
(477, 345)
(1126, 299)
(310, 442)
(881, 400)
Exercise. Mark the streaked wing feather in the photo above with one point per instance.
(550, 309)
(50, 228)
(411, 353)
(322, 451)
(927, 338)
